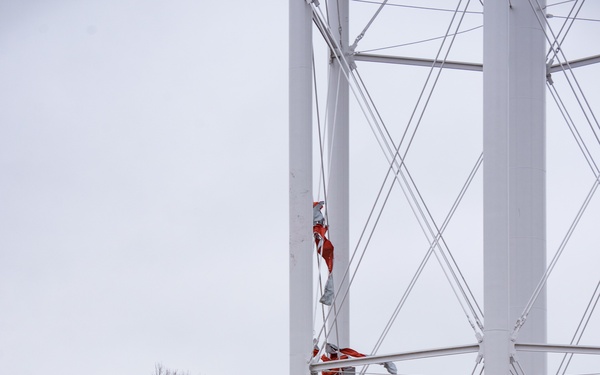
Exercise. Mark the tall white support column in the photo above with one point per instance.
(514, 181)
(527, 134)
(496, 187)
(300, 180)
(338, 189)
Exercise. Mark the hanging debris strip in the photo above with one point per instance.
(325, 249)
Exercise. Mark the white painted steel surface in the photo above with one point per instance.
(300, 180)
(514, 181)
(461, 65)
(338, 190)
(527, 163)
(557, 348)
(575, 63)
(405, 356)
(495, 176)
(413, 61)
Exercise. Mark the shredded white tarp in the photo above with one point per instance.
(327, 297)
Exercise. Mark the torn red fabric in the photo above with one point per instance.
(345, 354)
(324, 246)
(325, 249)
(351, 353)
(332, 357)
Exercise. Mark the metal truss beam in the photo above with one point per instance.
(576, 63)
(417, 62)
(554, 348)
(405, 356)
(454, 350)
(460, 65)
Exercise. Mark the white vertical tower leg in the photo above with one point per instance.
(338, 189)
(514, 181)
(527, 134)
(496, 188)
(300, 180)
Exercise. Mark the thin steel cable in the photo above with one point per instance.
(581, 104)
(560, 32)
(362, 33)
(334, 120)
(455, 278)
(322, 174)
(418, 41)
(319, 131)
(580, 19)
(326, 32)
(441, 253)
(453, 260)
(346, 272)
(332, 48)
(355, 272)
(568, 21)
(419, 100)
(335, 323)
(329, 40)
(458, 283)
(445, 271)
(560, 2)
(557, 255)
(562, 65)
(578, 334)
(420, 97)
(514, 367)
(364, 249)
(355, 94)
(574, 131)
(325, 188)
(318, 295)
(419, 121)
(589, 108)
(425, 259)
(477, 364)
(413, 6)
(326, 214)
(369, 237)
(520, 368)
(431, 217)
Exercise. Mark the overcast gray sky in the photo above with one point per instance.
(143, 185)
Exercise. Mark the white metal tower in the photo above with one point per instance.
(512, 338)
